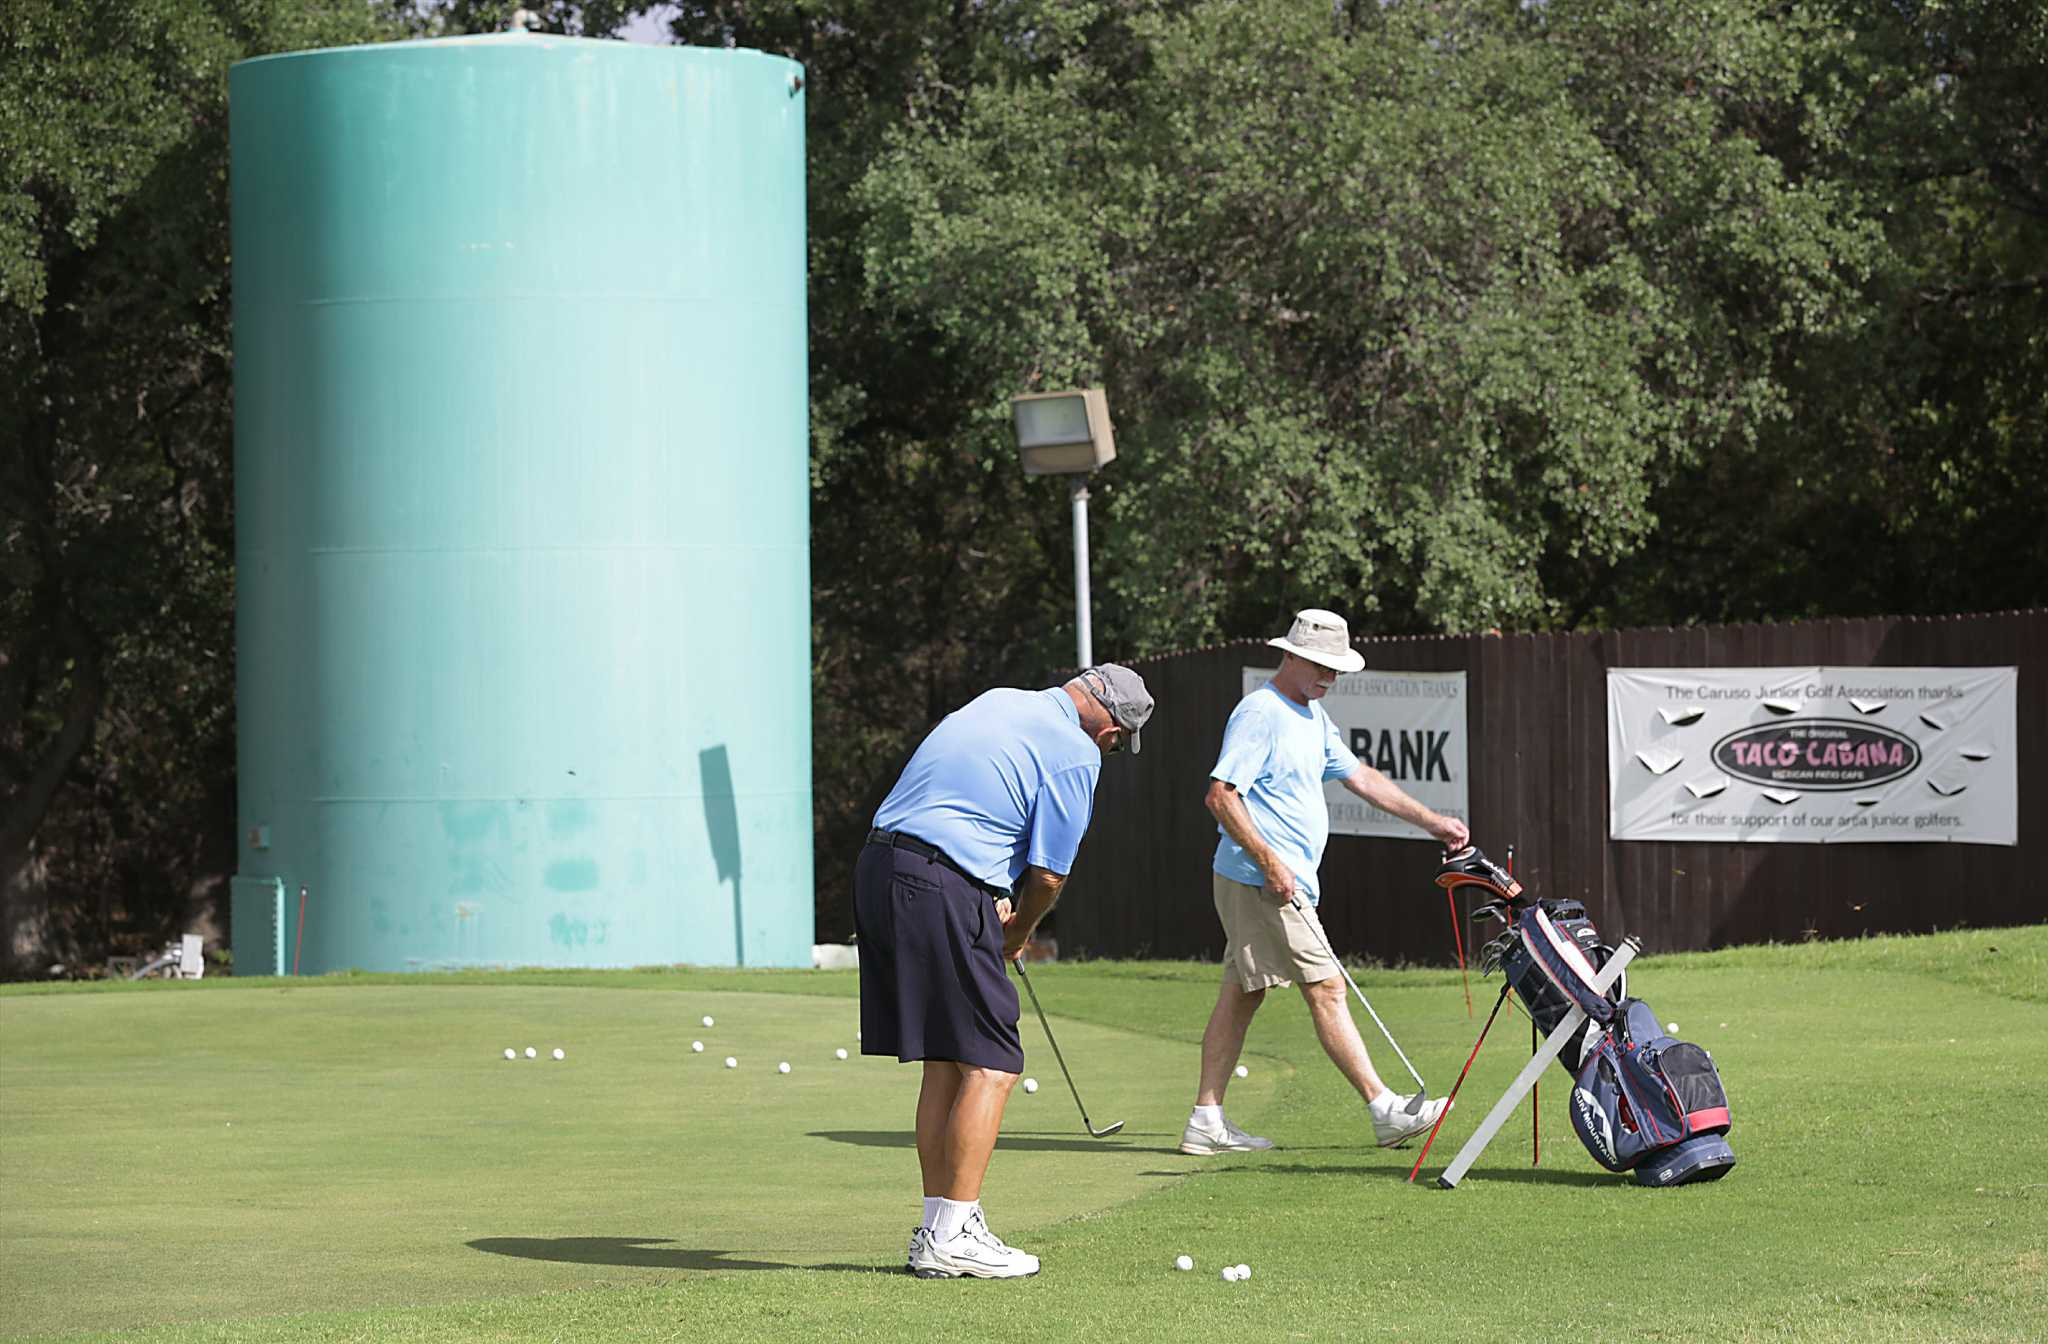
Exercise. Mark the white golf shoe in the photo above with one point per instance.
(975, 1253)
(1396, 1125)
(918, 1236)
(1199, 1140)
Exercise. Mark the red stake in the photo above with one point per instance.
(1458, 933)
(1535, 1109)
(1460, 1083)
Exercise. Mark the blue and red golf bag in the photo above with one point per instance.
(1642, 1101)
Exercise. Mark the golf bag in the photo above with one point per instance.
(1641, 1100)
(1647, 1103)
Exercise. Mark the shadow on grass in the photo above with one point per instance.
(1008, 1143)
(642, 1253)
(1427, 1176)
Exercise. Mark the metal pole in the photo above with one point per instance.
(1084, 637)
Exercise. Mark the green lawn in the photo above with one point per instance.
(352, 1158)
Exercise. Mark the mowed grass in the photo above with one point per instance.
(351, 1158)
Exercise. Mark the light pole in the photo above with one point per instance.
(1068, 434)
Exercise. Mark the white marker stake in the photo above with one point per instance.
(1538, 1062)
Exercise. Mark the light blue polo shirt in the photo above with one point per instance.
(1277, 754)
(1006, 780)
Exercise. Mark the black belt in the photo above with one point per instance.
(912, 845)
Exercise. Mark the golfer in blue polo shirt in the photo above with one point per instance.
(968, 852)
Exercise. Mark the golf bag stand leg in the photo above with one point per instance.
(1561, 1035)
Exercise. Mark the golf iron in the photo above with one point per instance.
(1106, 1130)
(1414, 1106)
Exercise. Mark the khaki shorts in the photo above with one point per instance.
(1266, 944)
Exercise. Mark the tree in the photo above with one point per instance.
(116, 651)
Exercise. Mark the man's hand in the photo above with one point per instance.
(1279, 883)
(1036, 894)
(1454, 834)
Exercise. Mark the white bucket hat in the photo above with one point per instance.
(1322, 638)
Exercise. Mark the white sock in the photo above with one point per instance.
(950, 1217)
(931, 1210)
(1385, 1102)
(1210, 1117)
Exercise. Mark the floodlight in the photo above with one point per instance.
(1063, 433)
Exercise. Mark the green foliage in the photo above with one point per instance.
(116, 665)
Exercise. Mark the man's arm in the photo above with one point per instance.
(1038, 891)
(1230, 813)
(1387, 796)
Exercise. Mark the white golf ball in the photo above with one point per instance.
(1671, 1027)
(1184, 1262)
(731, 1063)
(1244, 1271)
(783, 1067)
(1243, 1072)
(856, 1035)
(532, 1053)
(707, 1020)
(697, 1047)
(839, 1053)
(1230, 1273)
(511, 1053)
(559, 1054)
(1030, 1084)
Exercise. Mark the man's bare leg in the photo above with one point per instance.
(959, 1115)
(1223, 1038)
(1331, 1012)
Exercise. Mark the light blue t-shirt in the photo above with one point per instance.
(1006, 780)
(1277, 754)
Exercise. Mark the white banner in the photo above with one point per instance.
(1813, 755)
(1409, 726)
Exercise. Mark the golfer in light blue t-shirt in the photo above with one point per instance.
(1266, 793)
(968, 853)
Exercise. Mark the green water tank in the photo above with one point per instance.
(521, 505)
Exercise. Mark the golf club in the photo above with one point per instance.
(1106, 1130)
(1414, 1106)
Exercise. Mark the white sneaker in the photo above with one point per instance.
(918, 1236)
(1396, 1125)
(975, 1253)
(1199, 1140)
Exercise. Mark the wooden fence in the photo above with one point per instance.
(1537, 723)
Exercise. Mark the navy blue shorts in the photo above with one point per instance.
(932, 983)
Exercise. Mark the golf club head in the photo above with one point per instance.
(1414, 1106)
(1106, 1130)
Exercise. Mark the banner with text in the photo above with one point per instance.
(1814, 755)
(1409, 726)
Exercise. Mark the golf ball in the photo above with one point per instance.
(697, 1047)
(1244, 1271)
(1184, 1262)
(1243, 1072)
(511, 1053)
(1230, 1273)
(531, 1053)
(1671, 1027)
(783, 1067)
(731, 1063)
(1030, 1084)
(839, 1053)
(559, 1053)
(707, 1020)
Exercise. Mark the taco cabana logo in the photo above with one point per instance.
(1817, 754)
